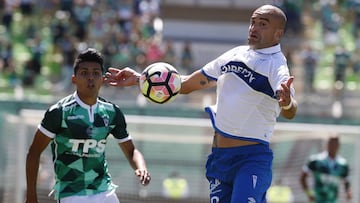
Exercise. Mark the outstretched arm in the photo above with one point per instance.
(129, 77)
(137, 161)
(122, 77)
(195, 81)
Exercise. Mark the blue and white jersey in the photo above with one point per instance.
(247, 81)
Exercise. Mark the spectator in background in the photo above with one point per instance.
(153, 53)
(187, 58)
(7, 18)
(309, 61)
(29, 74)
(82, 17)
(328, 169)
(293, 11)
(331, 21)
(169, 53)
(342, 61)
(355, 60)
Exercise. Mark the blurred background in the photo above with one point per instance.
(39, 40)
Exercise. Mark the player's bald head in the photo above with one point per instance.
(276, 14)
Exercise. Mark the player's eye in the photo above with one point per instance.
(85, 74)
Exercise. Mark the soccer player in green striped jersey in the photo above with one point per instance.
(77, 127)
(329, 169)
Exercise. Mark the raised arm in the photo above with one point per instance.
(122, 77)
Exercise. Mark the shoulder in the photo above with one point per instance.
(61, 104)
(318, 156)
(110, 106)
(341, 160)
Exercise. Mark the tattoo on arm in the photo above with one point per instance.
(203, 82)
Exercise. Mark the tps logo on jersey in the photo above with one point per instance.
(84, 145)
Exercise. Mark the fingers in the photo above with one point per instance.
(144, 176)
(289, 81)
(121, 78)
(283, 95)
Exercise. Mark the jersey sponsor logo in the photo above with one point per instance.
(240, 69)
(84, 145)
(256, 81)
(75, 117)
(329, 179)
(67, 108)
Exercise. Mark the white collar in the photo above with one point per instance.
(269, 50)
(82, 104)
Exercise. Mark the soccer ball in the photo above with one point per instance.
(160, 82)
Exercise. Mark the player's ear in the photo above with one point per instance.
(278, 34)
(73, 79)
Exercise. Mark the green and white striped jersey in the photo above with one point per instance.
(79, 134)
(327, 174)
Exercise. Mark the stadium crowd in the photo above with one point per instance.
(50, 33)
(40, 38)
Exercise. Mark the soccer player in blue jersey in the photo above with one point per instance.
(254, 87)
(329, 169)
(77, 127)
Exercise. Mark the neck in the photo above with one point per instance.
(89, 100)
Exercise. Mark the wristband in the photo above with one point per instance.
(288, 106)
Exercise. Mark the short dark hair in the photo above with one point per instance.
(88, 55)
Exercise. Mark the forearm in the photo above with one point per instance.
(195, 81)
(138, 161)
(32, 168)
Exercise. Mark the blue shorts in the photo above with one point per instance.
(239, 174)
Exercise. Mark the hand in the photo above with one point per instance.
(122, 78)
(348, 195)
(283, 95)
(143, 175)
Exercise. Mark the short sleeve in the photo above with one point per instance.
(213, 68)
(51, 123)
(120, 130)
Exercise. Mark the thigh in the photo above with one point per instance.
(220, 192)
(251, 182)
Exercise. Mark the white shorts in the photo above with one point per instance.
(104, 197)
